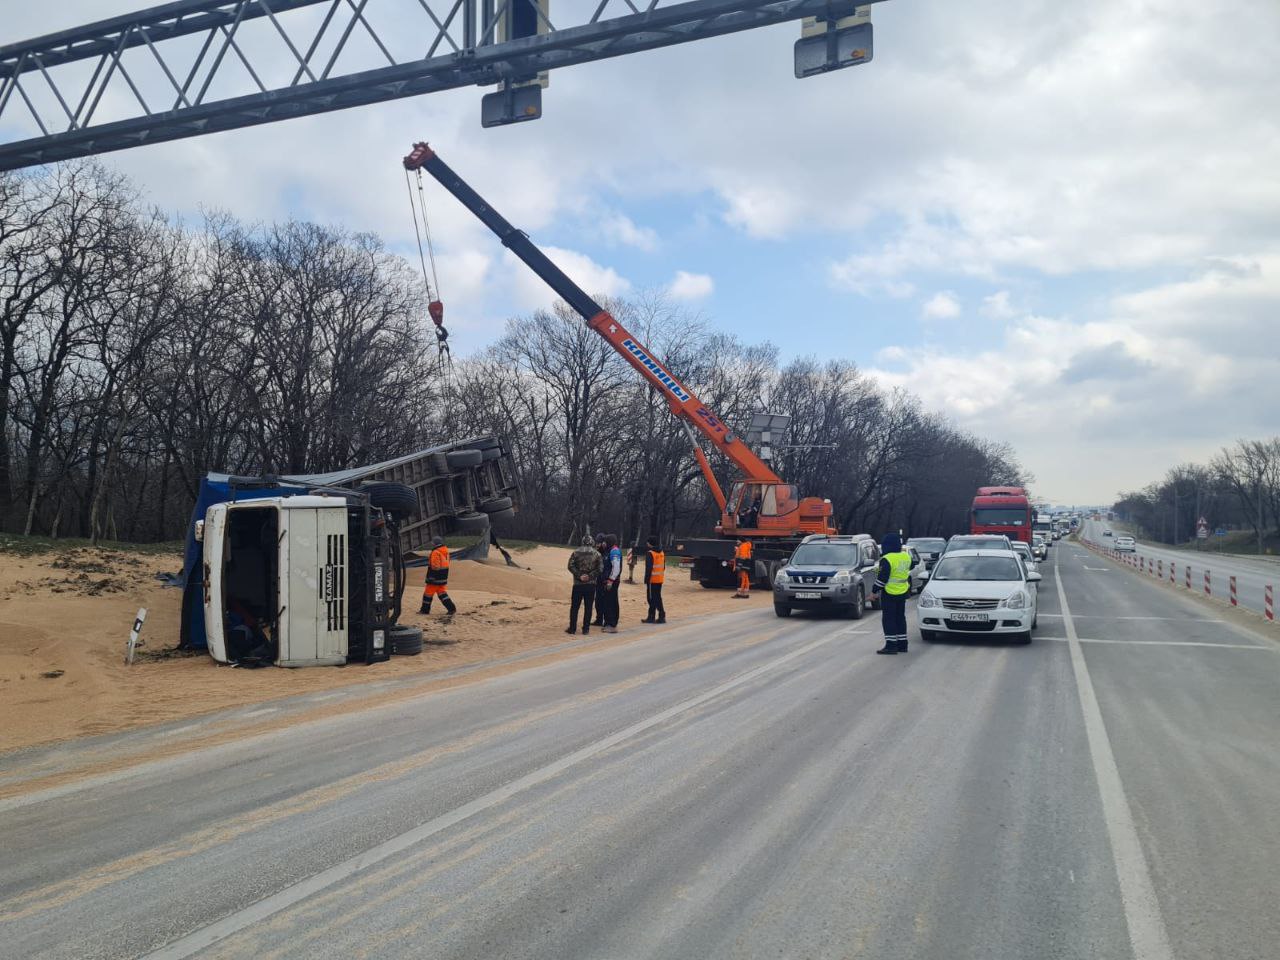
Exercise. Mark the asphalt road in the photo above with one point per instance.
(1252, 575)
(743, 787)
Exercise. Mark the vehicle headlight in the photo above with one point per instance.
(842, 576)
(927, 599)
(780, 578)
(1016, 602)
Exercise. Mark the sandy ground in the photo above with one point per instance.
(65, 619)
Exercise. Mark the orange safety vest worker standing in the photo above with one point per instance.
(437, 578)
(742, 563)
(655, 572)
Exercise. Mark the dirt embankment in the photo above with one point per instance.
(65, 618)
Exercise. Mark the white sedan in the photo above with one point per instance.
(1124, 545)
(978, 592)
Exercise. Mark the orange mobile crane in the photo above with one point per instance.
(760, 505)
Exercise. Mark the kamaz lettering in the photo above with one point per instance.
(652, 366)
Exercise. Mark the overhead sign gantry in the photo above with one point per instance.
(193, 67)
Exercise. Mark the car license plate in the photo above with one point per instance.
(969, 617)
(808, 595)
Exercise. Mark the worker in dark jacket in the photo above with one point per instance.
(437, 584)
(893, 584)
(585, 564)
(655, 573)
(602, 548)
(608, 598)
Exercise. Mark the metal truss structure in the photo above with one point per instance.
(192, 67)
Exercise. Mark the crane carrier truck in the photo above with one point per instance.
(760, 505)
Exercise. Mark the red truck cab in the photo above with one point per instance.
(1003, 510)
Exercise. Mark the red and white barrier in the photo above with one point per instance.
(1207, 592)
(1188, 576)
(1159, 569)
(1173, 572)
(1234, 602)
(1269, 606)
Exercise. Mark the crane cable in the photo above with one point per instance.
(435, 308)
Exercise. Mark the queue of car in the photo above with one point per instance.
(982, 584)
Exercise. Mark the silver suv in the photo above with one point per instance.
(828, 573)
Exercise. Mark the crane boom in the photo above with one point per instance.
(687, 407)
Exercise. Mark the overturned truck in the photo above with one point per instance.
(308, 569)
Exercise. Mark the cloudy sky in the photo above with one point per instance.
(1057, 223)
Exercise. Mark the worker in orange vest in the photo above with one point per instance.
(655, 572)
(438, 578)
(742, 563)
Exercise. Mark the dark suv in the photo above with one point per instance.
(828, 573)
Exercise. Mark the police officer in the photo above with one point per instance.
(893, 577)
(437, 584)
(655, 572)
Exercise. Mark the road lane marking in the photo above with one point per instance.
(1147, 934)
(1098, 569)
(1176, 643)
(1100, 616)
(258, 713)
(233, 923)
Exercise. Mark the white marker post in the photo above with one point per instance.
(133, 635)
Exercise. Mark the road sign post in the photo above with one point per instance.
(133, 634)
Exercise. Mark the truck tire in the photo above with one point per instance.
(439, 463)
(490, 453)
(472, 522)
(502, 517)
(462, 459)
(782, 609)
(496, 505)
(395, 498)
(405, 641)
(488, 443)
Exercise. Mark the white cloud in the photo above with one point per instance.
(620, 229)
(997, 306)
(943, 305)
(530, 293)
(691, 286)
(1167, 374)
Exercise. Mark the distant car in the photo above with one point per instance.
(930, 548)
(1039, 549)
(1125, 545)
(1057, 534)
(1106, 533)
(828, 573)
(978, 541)
(987, 592)
(919, 572)
(1024, 551)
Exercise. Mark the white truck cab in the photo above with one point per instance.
(305, 580)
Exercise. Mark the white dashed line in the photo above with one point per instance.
(1174, 643)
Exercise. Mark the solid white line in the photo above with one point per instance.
(1147, 934)
(233, 923)
(1099, 616)
(1177, 643)
(259, 713)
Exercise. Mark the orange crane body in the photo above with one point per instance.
(779, 513)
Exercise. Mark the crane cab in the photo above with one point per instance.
(758, 508)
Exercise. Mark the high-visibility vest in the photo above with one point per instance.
(744, 550)
(658, 572)
(899, 573)
(438, 565)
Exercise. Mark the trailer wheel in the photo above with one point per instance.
(405, 641)
(488, 443)
(496, 505)
(502, 517)
(462, 459)
(395, 498)
(472, 522)
(490, 453)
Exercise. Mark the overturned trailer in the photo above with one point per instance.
(309, 568)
